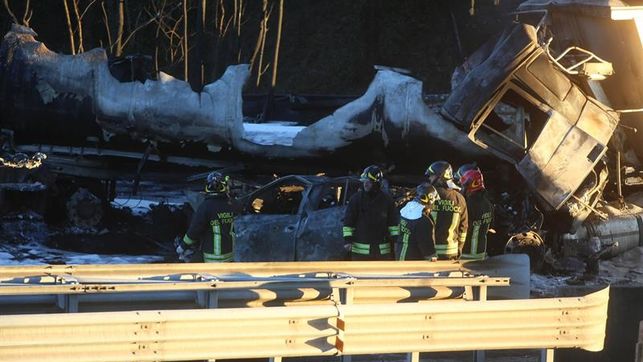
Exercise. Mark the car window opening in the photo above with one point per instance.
(282, 199)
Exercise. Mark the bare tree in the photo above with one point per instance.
(106, 21)
(261, 42)
(239, 10)
(185, 40)
(167, 26)
(70, 30)
(121, 25)
(116, 23)
(79, 22)
(277, 44)
(26, 16)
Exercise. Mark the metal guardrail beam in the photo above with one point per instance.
(514, 266)
(306, 330)
(169, 335)
(266, 269)
(444, 326)
(88, 286)
(69, 293)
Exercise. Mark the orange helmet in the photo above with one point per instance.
(472, 180)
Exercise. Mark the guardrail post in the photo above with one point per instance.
(547, 355)
(479, 356)
(342, 295)
(483, 292)
(207, 299)
(275, 359)
(413, 357)
(478, 293)
(67, 302)
(639, 345)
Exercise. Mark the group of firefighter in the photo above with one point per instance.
(447, 219)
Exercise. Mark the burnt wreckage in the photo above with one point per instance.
(294, 218)
(513, 100)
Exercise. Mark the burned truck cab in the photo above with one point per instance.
(520, 106)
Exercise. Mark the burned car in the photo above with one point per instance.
(294, 218)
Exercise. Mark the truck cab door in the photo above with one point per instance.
(552, 153)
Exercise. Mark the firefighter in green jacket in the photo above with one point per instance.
(211, 230)
(371, 221)
(417, 229)
(480, 211)
(449, 212)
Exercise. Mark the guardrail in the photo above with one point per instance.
(443, 326)
(68, 292)
(84, 280)
(306, 330)
(365, 268)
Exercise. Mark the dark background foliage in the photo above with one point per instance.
(327, 47)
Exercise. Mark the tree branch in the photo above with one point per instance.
(13, 16)
(72, 46)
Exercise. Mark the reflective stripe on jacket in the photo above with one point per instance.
(416, 240)
(212, 229)
(480, 212)
(451, 222)
(371, 224)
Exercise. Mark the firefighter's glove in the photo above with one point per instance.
(185, 255)
(183, 251)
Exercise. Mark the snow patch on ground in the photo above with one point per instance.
(274, 133)
(547, 285)
(139, 207)
(35, 253)
(626, 268)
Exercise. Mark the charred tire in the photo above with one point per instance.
(84, 209)
(529, 243)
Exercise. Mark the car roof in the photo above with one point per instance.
(315, 180)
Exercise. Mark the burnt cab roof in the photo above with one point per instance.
(510, 52)
(521, 107)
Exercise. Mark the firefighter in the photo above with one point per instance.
(462, 169)
(449, 212)
(416, 240)
(211, 230)
(371, 222)
(480, 211)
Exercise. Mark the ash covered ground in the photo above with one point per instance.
(135, 229)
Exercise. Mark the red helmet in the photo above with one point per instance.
(472, 180)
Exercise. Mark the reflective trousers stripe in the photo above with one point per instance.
(365, 249)
(360, 248)
(212, 258)
(394, 230)
(477, 256)
(348, 231)
(441, 249)
(385, 248)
